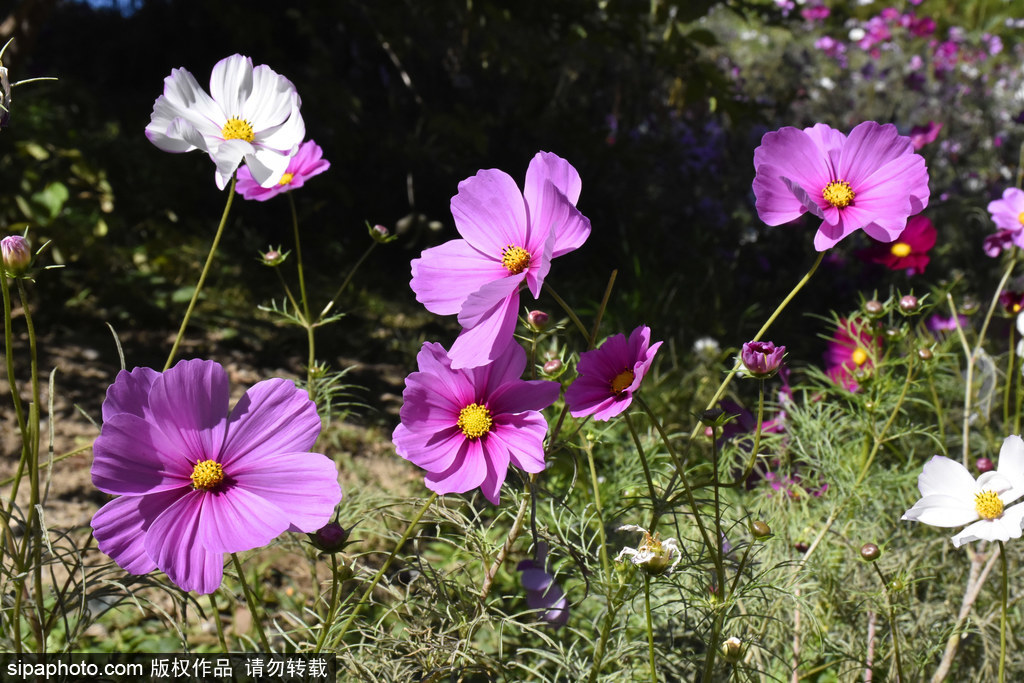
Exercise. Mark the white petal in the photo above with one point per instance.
(942, 510)
(228, 155)
(1002, 529)
(267, 166)
(287, 136)
(944, 476)
(184, 98)
(1011, 465)
(231, 83)
(272, 100)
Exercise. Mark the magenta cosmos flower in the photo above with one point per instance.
(306, 163)
(253, 115)
(610, 374)
(907, 252)
(871, 180)
(850, 353)
(196, 480)
(761, 359)
(465, 426)
(1008, 215)
(508, 238)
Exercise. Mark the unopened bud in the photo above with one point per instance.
(16, 255)
(273, 257)
(925, 354)
(908, 303)
(760, 529)
(713, 417)
(539, 320)
(552, 367)
(731, 649)
(984, 465)
(330, 538)
(874, 308)
(870, 552)
(380, 234)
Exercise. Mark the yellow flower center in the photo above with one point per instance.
(515, 259)
(859, 356)
(622, 380)
(285, 179)
(988, 505)
(475, 420)
(206, 474)
(1020, 217)
(238, 129)
(900, 250)
(838, 193)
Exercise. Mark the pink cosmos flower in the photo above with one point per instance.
(508, 239)
(922, 135)
(251, 115)
(761, 359)
(465, 426)
(306, 163)
(871, 180)
(610, 374)
(196, 480)
(850, 353)
(1008, 214)
(907, 252)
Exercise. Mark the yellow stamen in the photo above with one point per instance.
(1020, 217)
(901, 250)
(206, 474)
(515, 259)
(285, 179)
(622, 381)
(859, 356)
(475, 420)
(238, 129)
(838, 193)
(988, 505)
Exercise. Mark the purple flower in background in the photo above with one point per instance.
(815, 12)
(306, 163)
(542, 592)
(253, 115)
(921, 27)
(940, 323)
(996, 244)
(610, 374)
(508, 238)
(871, 180)
(922, 135)
(832, 48)
(196, 480)
(762, 359)
(1008, 214)
(465, 426)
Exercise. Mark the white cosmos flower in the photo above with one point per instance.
(653, 555)
(253, 114)
(951, 497)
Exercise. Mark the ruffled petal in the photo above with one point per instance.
(173, 543)
(190, 407)
(129, 393)
(273, 417)
(490, 213)
(231, 83)
(496, 460)
(120, 528)
(465, 474)
(239, 519)
(132, 457)
(521, 437)
(942, 475)
(489, 317)
(1002, 529)
(443, 276)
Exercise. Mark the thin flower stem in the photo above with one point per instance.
(332, 611)
(380, 572)
(19, 410)
(348, 279)
(975, 580)
(1002, 613)
(1010, 374)
(601, 309)
(250, 599)
(305, 300)
(614, 604)
(757, 440)
(716, 628)
(900, 678)
(655, 502)
(215, 613)
(202, 275)
(571, 313)
(597, 507)
(757, 337)
(650, 627)
(513, 534)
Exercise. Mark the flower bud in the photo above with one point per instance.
(762, 359)
(731, 649)
(969, 305)
(330, 538)
(538, 320)
(380, 234)
(713, 417)
(273, 257)
(870, 552)
(552, 366)
(760, 529)
(984, 465)
(909, 303)
(925, 354)
(16, 255)
(874, 308)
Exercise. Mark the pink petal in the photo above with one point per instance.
(239, 519)
(497, 469)
(189, 404)
(129, 393)
(465, 474)
(522, 438)
(304, 486)
(132, 457)
(505, 369)
(120, 528)
(445, 275)
(173, 543)
(490, 213)
(517, 397)
(548, 166)
(434, 451)
(549, 208)
(274, 416)
(869, 147)
(489, 317)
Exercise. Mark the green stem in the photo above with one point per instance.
(215, 613)
(597, 508)
(202, 276)
(655, 502)
(757, 439)
(332, 612)
(650, 627)
(601, 309)
(513, 534)
(900, 678)
(571, 313)
(250, 599)
(380, 572)
(305, 300)
(348, 279)
(1002, 615)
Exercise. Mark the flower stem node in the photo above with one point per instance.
(870, 552)
(17, 257)
(653, 555)
(760, 530)
(731, 649)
